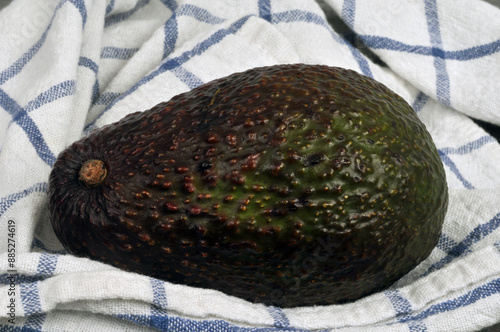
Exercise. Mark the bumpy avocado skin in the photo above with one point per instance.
(289, 185)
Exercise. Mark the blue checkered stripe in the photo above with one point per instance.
(159, 318)
(29, 293)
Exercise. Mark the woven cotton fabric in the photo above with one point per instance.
(69, 66)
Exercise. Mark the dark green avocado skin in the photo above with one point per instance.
(289, 185)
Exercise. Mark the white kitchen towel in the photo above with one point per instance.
(68, 66)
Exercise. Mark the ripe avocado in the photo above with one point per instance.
(288, 185)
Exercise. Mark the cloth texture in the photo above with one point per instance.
(69, 66)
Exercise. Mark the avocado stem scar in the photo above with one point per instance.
(92, 173)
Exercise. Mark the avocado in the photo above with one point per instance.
(288, 185)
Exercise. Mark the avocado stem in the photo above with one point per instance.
(92, 173)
